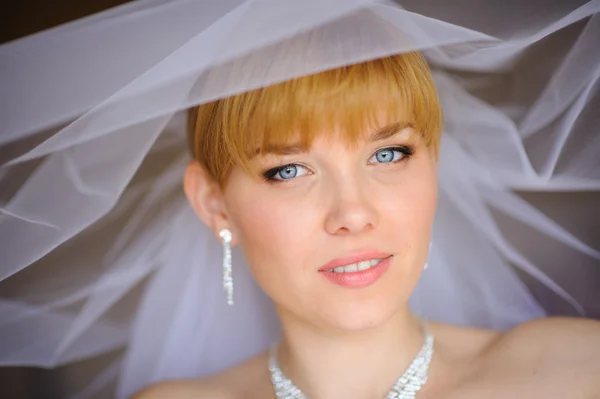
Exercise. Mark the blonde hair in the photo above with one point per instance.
(227, 132)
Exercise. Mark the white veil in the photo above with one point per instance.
(100, 251)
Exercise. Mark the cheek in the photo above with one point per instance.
(415, 203)
(408, 210)
(272, 232)
(411, 189)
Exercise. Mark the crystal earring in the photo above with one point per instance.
(226, 237)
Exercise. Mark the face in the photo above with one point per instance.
(306, 212)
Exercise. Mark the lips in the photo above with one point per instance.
(357, 271)
(354, 259)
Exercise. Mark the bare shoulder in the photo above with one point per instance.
(582, 328)
(461, 342)
(184, 389)
(556, 336)
(551, 351)
(247, 380)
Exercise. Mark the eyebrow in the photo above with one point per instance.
(380, 134)
(389, 131)
(287, 149)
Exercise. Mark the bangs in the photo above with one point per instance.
(349, 102)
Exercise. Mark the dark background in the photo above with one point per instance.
(19, 18)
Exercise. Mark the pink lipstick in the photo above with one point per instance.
(357, 270)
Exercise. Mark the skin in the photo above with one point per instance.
(340, 342)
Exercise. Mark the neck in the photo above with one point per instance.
(334, 364)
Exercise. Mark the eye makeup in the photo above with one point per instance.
(291, 171)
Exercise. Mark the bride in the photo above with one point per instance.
(334, 236)
(328, 184)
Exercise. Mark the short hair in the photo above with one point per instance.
(351, 99)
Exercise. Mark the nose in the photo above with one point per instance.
(352, 209)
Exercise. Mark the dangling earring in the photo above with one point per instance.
(226, 236)
(428, 254)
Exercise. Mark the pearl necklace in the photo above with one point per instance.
(407, 386)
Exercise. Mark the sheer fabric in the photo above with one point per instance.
(100, 249)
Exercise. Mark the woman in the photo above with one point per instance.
(325, 173)
(328, 184)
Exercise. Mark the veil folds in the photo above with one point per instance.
(100, 250)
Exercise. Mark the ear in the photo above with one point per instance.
(206, 198)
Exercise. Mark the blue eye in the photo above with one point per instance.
(285, 172)
(390, 155)
(288, 172)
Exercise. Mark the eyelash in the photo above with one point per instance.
(407, 152)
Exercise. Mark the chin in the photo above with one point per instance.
(360, 314)
(369, 307)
